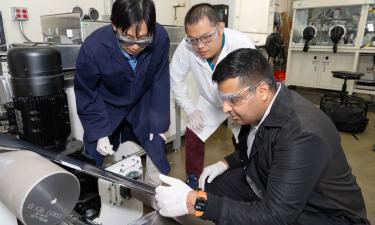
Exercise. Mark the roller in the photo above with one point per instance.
(36, 190)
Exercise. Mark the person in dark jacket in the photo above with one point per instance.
(289, 168)
(122, 84)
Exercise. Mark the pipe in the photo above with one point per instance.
(23, 32)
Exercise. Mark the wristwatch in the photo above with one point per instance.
(200, 204)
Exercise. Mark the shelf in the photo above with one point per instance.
(367, 50)
(341, 47)
(328, 19)
(364, 91)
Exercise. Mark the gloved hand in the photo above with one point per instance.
(104, 147)
(161, 135)
(171, 200)
(210, 172)
(196, 121)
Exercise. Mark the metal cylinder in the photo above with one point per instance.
(36, 190)
(35, 71)
(40, 104)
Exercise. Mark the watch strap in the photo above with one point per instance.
(201, 199)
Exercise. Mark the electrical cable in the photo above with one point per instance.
(23, 32)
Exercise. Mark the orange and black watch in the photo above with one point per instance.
(200, 204)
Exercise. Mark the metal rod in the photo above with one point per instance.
(8, 143)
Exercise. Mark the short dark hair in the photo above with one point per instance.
(199, 11)
(247, 64)
(126, 13)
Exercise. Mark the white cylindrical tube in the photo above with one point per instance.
(7, 217)
(36, 190)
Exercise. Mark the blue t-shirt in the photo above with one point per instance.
(209, 61)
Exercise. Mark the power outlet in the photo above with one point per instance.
(20, 13)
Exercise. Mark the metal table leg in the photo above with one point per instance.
(177, 139)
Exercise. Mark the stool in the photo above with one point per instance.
(346, 75)
(348, 113)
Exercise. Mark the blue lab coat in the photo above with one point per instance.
(113, 100)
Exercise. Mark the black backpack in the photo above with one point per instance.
(348, 117)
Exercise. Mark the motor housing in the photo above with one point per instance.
(40, 103)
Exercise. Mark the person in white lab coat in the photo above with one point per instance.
(207, 42)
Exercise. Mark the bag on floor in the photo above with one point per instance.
(348, 118)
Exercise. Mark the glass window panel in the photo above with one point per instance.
(369, 36)
(323, 19)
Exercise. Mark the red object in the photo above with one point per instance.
(279, 74)
(194, 152)
(24, 10)
(25, 16)
(18, 10)
(18, 15)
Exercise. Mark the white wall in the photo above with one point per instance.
(252, 17)
(32, 27)
(37, 8)
(232, 8)
(239, 16)
(165, 12)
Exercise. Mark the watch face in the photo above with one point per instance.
(200, 204)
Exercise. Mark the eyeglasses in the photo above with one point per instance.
(129, 41)
(239, 98)
(204, 39)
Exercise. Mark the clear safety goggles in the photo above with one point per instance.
(205, 38)
(237, 99)
(129, 41)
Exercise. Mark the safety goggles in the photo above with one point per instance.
(204, 39)
(129, 41)
(239, 98)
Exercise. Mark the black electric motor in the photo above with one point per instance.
(40, 103)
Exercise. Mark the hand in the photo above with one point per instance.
(161, 135)
(171, 199)
(210, 172)
(196, 121)
(104, 147)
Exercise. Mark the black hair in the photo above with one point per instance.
(199, 11)
(126, 13)
(247, 64)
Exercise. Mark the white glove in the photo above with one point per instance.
(171, 200)
(196, 121)
(211, 172)
(161, 135)
(104, 147)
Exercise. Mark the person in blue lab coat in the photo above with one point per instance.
(122, 85)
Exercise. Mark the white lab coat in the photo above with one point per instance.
(185, 59)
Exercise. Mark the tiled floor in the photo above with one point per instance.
(358, 152)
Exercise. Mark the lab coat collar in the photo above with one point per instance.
(203, 63)
(223, 53)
